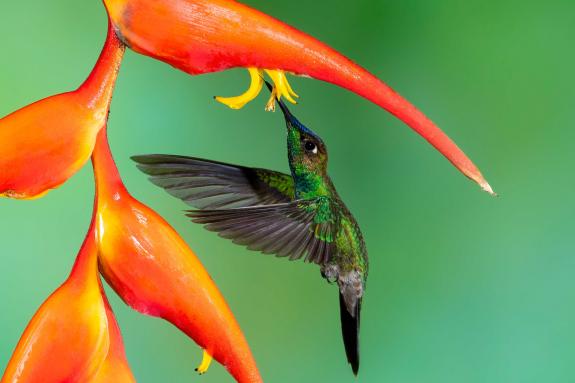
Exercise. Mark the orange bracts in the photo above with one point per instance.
(154, 271)
(73, 337)
(45, 143)
(201, 36)
(115, 368)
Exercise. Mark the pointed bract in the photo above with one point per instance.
(45, 143)
(202, 36)
(73, 337)
(155, 272)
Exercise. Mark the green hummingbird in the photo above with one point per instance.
(297, 216)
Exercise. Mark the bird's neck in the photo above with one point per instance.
(309, 184)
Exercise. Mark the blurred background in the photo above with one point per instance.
(463, 287)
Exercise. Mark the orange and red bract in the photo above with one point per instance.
(155, 272)
(45, 143)
(73, 334)
(201, 36)
(115, 368)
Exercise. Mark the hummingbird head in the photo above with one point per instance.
(305, 148)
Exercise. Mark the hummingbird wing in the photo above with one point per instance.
(297, 229)
(206, 184)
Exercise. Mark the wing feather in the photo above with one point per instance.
(286, 230)
(206, 184)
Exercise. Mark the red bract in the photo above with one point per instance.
(201, 36)
(73, 337)
(154, 271)
(45, 143)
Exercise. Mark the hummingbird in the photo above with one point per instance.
(298, 215)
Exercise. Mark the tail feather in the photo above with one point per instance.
(350, 325)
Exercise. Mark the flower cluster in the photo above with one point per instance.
(74, 336)
(139, 254)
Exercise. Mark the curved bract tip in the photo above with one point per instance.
(486, 187)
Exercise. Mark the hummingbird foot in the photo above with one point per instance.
(282, 88)
(206, 361)
(330, 273)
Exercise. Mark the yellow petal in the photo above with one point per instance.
(282, 85)
(255, 88)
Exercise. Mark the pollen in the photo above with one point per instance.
(206, 361)
(281, 88)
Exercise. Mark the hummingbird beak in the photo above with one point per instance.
(291, 121)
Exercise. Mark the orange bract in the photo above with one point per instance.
(115, 368)
(45, 143)
(73, 337)
(201, 36)
(154, 271)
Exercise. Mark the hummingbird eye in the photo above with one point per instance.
(310, 147)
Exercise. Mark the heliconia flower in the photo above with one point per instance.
(155, 272)
(201, 36)
(115, 368)
(73, 335)
(45, 143)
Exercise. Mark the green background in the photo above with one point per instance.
(463, 287)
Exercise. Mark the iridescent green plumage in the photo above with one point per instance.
(296, 216)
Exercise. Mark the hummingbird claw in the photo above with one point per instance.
(330, 273)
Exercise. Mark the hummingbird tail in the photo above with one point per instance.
(350, 330)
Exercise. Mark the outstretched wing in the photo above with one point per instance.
(206, 184)
(293, 229)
